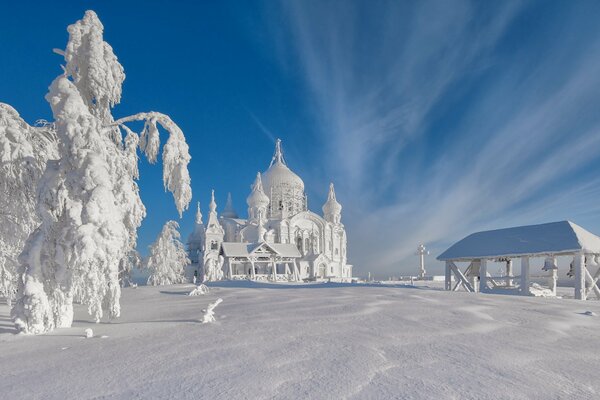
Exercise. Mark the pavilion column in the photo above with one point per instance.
(509, 272)
(448, 276)
(554, 276)
(229, 270)
(483, 276)
(579, 265)
(525, 280)
(274, 266)
(253, 271)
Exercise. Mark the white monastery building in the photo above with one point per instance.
(281, 240)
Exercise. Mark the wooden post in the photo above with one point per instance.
(509, 272)
(253, 271)
(524, 288)
(229, 269)
(579, 265)
(483, 276)
(448, 276)
(553, 276)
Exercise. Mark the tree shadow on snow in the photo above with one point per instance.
(313, 285)
(181, 293)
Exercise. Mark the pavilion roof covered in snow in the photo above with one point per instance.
(555, 238)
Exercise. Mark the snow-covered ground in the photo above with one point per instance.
(318, 342)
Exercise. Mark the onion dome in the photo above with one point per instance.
(279, 176)
(197, 236)
(229, 211)
(257, 198)
(331, 207)
(213, 204)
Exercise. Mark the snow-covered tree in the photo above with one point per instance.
(127, 265)
(88, 199)
(24, 151)
(168, 257)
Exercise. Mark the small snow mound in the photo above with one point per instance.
(199, 290)
(89, 333)
(538, 290)
(134, 285)
(590, 314)
(103, 337)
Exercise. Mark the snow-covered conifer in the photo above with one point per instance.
(88, 199)
(24, 151)
(168, 257)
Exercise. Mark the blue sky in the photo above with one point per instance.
(433, 119)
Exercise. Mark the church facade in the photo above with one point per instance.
(280, 240)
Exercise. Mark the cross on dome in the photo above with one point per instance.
(278, 156)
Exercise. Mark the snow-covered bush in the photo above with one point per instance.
(88, 199)
(199, 290)
(168, 257)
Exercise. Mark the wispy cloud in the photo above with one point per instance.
(442, 118)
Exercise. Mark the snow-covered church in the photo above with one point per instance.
(281, 240)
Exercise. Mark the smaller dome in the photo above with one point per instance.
(331, 206)
(229, 211)
(257, 198)
(197, 236)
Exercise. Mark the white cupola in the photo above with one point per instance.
(257, 200)
(332, 210)
(229, 211)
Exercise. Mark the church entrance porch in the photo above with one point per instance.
(261, 261)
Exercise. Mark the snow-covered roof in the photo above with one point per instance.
(551, 238)
(231, 249)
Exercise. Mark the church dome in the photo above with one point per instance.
(229, 211)
(279, 176)
(331, 208)
(257, 198)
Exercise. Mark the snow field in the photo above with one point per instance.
(317, 341)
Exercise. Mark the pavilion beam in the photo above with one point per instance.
(579, 265)
(466, 284)
(596, 277)
(593, 284)
(525, 276)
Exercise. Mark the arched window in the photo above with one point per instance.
(299, 243)
(214, 245)
(331, 270)
(337, 251)
(306, 244)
